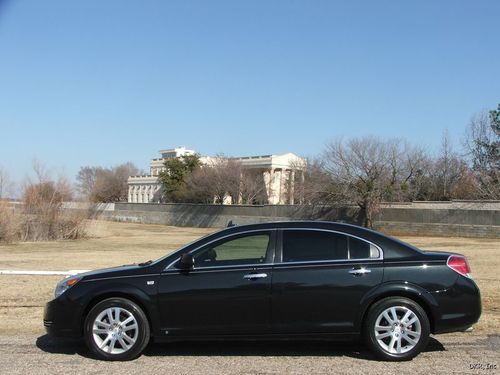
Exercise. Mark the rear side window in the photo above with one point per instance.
(307, 245)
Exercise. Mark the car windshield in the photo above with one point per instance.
(185, 246)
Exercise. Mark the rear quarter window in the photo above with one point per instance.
(359, 249)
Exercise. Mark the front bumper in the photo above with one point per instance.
(61, 318)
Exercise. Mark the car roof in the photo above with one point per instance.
(393, 248)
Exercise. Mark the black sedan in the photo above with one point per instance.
(285, 280)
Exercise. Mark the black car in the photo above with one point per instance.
(285, 280)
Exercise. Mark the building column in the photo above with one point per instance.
(271, 193)
(156, 193)
(240, 195)
(292, 186)
(302, 187)
(281, 196)
(134, 194)
(151, 194)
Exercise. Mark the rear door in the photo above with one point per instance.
(319, 280)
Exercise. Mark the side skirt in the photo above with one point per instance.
(268, 337)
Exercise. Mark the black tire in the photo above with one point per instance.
(141, 333)
(401, 304)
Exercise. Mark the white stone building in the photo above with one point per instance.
(281, 173)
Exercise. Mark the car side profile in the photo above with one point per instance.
(295, 280)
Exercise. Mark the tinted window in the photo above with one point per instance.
(359, 249)
(250, 249)
(306, 245)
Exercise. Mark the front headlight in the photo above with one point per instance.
(65, 284)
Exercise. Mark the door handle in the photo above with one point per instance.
(359, 271)
(255, 276)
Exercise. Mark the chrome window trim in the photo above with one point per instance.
(326, 263)
(252, 265)
(380, 257)
(307, 262)
(175, 271)
(319, 262)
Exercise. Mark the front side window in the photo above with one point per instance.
(310, 245)
(247, 249)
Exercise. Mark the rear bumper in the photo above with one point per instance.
(61, 319)
(460, 307)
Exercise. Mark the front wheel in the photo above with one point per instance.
(397, 329)
(116, 329)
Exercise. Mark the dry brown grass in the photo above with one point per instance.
(9, 223)
(22, 297)
(41, 216)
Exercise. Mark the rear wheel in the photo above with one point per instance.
(116, 329)
(397, 329)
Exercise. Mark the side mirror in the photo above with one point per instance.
(186, 262)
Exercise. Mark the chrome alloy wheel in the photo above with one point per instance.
(115, 330)
(397, 329)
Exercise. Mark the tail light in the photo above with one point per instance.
(458, 263)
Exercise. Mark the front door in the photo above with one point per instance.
(227, 292)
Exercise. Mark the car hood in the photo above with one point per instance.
(126, 270)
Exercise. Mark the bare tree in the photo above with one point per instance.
(359, 171)
(217, 180)
(318, 186)
(6, 185)
(366, 171)
(482, 143)
(85, 181)
(448, 172)
(415, 173)
(253, 187)
(444, 167)
(99, 184)
(43, 215)
(42, 173)
(408, 166)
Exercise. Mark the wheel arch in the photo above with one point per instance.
(413, 292)
(134, 296)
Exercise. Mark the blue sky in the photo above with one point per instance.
(104, 82)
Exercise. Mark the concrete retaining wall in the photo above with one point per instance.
(436, 219)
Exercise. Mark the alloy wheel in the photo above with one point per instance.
(115, 330)
(397, 329)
